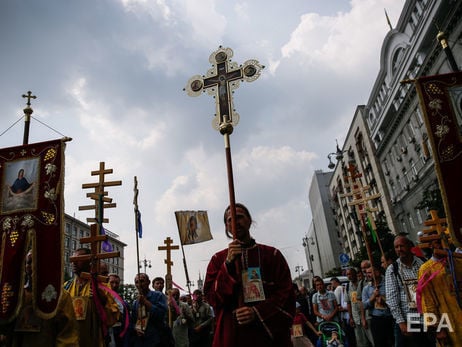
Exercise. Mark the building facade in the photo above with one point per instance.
(322, 241)
(75, 229)
(387, 139)
(394, 117)
(359, 151)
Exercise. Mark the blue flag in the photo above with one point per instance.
(106, 245)
(139, 226)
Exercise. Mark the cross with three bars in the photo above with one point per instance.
(102, 201)
(168, 248)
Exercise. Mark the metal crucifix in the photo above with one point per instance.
(220, 81)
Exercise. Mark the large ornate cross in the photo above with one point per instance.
(220, 81)
(168, 247)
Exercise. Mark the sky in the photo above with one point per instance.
(110, 74)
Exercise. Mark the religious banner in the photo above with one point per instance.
(441, 102)
(31, 216)
(193, 226)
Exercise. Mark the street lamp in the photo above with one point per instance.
(338, 156)
(299, 269)
(146, 263)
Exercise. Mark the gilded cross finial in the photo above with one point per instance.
(29, 96)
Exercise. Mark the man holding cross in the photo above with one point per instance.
(249, 312)
(148, 314)
(95, 310)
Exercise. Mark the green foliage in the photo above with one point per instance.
(432, 200)
(386, 240)
(336, 271)
(129, 293)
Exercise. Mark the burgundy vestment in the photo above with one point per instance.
(274, 315)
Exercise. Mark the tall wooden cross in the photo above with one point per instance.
(100, 197)
(220, 81)
(437, 229)
(168, 247)
(102, 201)
(360, 200)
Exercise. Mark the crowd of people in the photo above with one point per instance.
(249, 299)
(408, 302)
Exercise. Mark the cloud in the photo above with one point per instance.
(344, 42)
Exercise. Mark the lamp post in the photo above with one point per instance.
(307, 241)
(299, 269)
(338, 156)
(146, 263)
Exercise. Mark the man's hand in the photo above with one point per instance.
(364, 322)
(244, 315)
(234, 251)
(403, 328)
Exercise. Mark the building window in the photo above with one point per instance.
(404, 226)
(67, 243)
(74, 245)
(411, 221)
(68, 228)
(419, 216)
(75, 231)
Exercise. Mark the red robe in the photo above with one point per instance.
(274, 315)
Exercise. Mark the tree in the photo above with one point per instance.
(129, 293)
(432, 200)
(336, 271)
(386, 240)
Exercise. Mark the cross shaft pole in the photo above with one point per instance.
(27, 115)
(221, 80)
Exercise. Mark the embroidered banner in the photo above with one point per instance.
(441, 102)
(193, 226)
(31, 215)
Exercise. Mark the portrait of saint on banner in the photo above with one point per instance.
(193, 226)
(19, 181)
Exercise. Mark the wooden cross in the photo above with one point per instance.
(94, 257)
(29, 96)
(99, 195)
(438, 225)
(168, 247)
(361, 201)
(221, 80)
(358, 193)
(101, 202)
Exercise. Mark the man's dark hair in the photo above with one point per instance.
(85, 250)
(335, 279)
(352, 269)
(158, 279)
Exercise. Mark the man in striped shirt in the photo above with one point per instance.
(400, 285)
